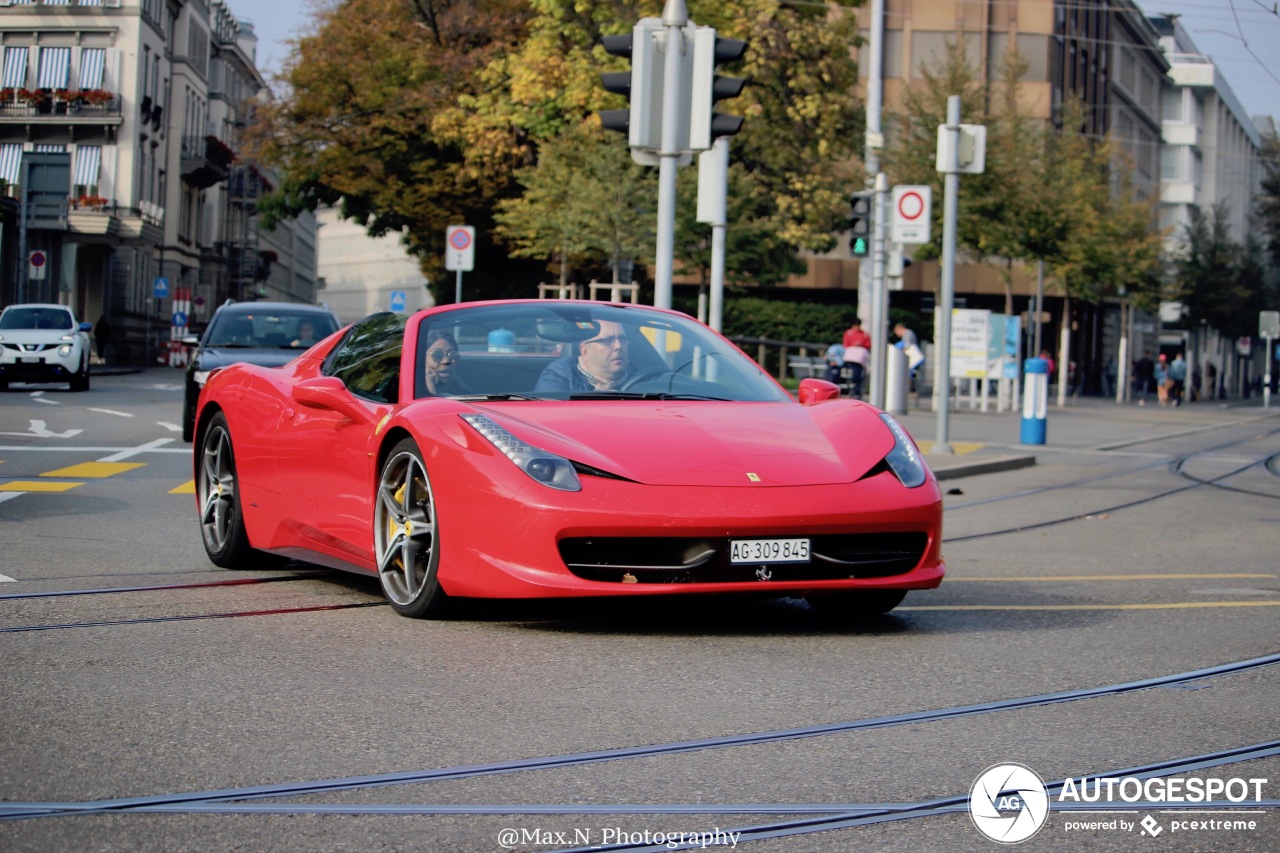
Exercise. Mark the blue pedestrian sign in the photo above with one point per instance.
(161, 288)
(398, 301)
(179, 318)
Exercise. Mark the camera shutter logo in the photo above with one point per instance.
(1008, 803)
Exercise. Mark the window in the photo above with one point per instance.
(15, 67)
(368, 358)
(92, 62)
(10, 162)
(55, 67)
(88, 164)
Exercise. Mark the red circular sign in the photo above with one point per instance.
(911, 205)
(37, 259)
(460, 240)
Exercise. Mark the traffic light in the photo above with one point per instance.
(860, 224)
(709, 50)
(642, 120)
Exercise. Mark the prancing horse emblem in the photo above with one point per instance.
(755, 478)
(763, 574)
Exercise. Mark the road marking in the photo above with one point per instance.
(134, 451)
(7, 579)
(170, 427)
(111, 412)
(36, 486)
(45, 400)
(94, 470)
(1177, 605)
(1073, 578)
(187, 488)
(39, 430)
(29, 448)
(957, 447)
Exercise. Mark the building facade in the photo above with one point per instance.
(120, 130)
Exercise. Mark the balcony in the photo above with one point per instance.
(60, 105)
(205, 161)
(91, 217)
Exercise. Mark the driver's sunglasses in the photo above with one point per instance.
(621, 340)
(440, 354)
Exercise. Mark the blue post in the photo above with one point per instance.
(1035, 400)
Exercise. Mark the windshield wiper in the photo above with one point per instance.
(488, 398)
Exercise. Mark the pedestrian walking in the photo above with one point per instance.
(1177, 379)
(1144, 377)
(857, 355)
(1162, 379)
(102, 336)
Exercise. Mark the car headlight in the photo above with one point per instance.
(547, 468)
(64, 350)
(904, 460)
(200, 377)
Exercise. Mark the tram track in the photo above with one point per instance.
(229, 800)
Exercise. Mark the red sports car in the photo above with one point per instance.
(548, 448)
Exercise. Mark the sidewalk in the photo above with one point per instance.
(984, 443)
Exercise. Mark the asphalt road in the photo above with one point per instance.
(296, 711)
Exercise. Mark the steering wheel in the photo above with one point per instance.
(642, 376)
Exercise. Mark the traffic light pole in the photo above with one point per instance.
(950, 211)
(879, 296)
(674, 16)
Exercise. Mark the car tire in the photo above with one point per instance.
(218, 499)
(406, 545)
(80, 379)
(856, 603)
(188, 420)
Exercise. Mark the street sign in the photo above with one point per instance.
(38, 263)
(161, 288)
(179, 318)
(398, 301)
(969, 337)
(1269, 324)
(460, 248)
(912, 213)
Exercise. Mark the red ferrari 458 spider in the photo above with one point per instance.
(548, 448)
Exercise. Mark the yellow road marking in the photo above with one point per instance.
(1070, 578)
(1177, 605)
(36, 486)
(187, 488)
(94, 470)
(957, 447)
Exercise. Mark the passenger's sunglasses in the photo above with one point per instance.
(440, 354)
(610, 341)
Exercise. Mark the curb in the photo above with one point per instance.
(980, 466)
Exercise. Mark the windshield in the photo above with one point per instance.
(269, 329)
(557, 350)
(36, 318)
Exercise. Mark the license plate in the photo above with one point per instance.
(30, 360)
(769, 551)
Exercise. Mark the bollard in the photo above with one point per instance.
(502, 340)
(1035, 400)
(897, 381)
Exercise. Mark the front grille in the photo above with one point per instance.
(675, 560)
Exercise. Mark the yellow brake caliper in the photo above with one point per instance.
(392, 527)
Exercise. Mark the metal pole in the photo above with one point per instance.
(879, 297)
(1266, 376)
(951, 192)
(874, 141)
(717, 161)
(674, 16)
(1035, 349)
(457, 289)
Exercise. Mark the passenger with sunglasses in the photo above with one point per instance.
(603, 363)
(438, 366)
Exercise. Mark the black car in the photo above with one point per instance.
(271, 334)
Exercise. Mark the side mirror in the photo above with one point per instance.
(190, 340)
(86, 327)
(814, 390)
(330, 394)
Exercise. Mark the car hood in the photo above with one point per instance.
(686, 443)
(208, 359)
(37, 336)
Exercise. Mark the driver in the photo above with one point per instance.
(602, 364)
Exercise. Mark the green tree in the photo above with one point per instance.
(1217, 280)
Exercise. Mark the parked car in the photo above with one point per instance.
(559, 448)
(43, 342)
(268, 334)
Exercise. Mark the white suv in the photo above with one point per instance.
(42, 342)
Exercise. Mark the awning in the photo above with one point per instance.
(55, 65)
(92, 61)
(11, 162)
(15, 67)
(88, 158)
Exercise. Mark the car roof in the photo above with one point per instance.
(258, 307)
(66, 308)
